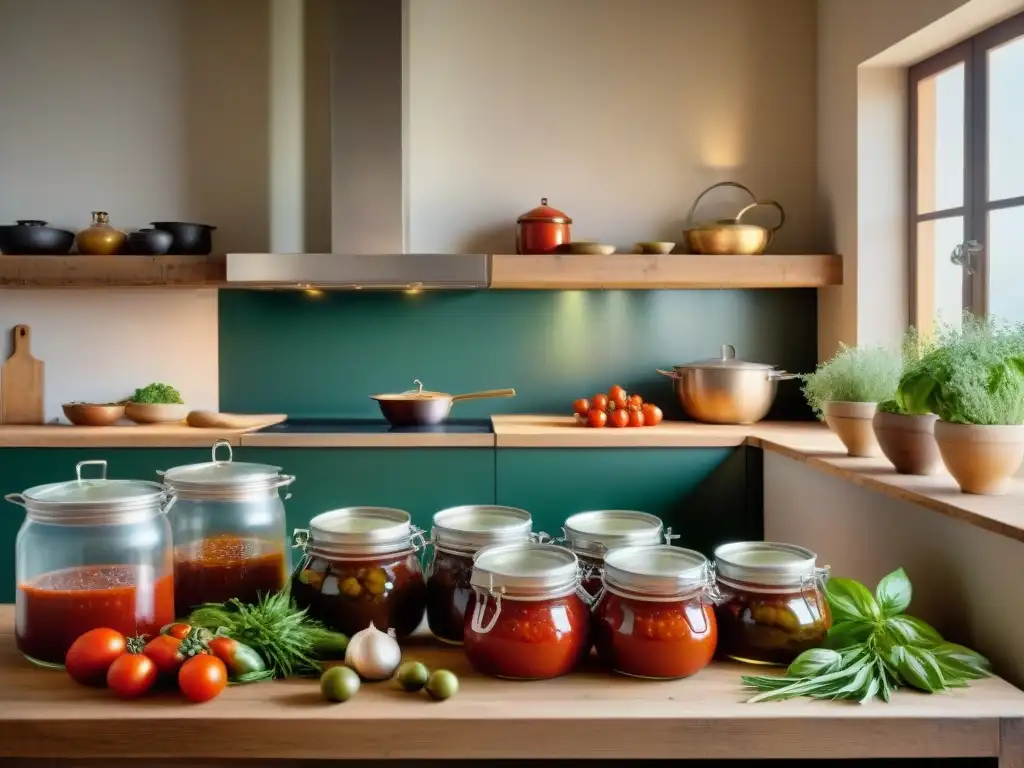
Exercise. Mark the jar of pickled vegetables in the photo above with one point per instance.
(655, 617)
(228, 521)
(772, 603)
(457, 535)
(591, 534)
(360, 566)
(90, 553)
(528, 618)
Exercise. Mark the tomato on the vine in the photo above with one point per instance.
(169, 653)
(133, 673)
(177, 630)
(652, 414)
(636, 402)
(202, 678)
(91, 655)
(581, 406)
(618, 397)
(636, 418)
(619, 418)
(597, 418)
(599, 401)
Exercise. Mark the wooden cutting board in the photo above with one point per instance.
(211, 419)
(21, 382)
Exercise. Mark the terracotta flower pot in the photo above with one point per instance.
(908, 442)
(852, 424)
(980, 458)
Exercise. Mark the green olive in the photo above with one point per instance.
(339, 683)
(413, 675)
(442, 685)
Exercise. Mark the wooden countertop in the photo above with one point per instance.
(127, 436)
(589, 714)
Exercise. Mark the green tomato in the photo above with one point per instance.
(442, 685)
(339, 683)
(413, 675)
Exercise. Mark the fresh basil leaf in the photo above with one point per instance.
(815, 661)
(961, 662)
(851, 601)
(854, 686)
(919, 668)
(768, 683)
(809, 686)
(873, 688)
(885, 687)
(893, 593)
(844, 634)
(907, 630)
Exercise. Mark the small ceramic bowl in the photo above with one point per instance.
(152, 413)
(93, 414)
(655, 247)
(590, 248)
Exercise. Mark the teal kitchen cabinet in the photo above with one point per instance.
(700, 492)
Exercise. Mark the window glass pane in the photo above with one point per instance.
(939, 281)
(1006, 120)
(940, 140)
(1005, 249)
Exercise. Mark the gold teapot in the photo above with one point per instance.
(729, 236)
(100, 238)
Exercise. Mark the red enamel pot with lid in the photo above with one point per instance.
(542, 230)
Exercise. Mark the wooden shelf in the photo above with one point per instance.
(111, 271)
(636, 271)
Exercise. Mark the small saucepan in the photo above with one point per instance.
(420, 407)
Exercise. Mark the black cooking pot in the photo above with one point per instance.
(189, 239)
(149, 242)
(31, 237)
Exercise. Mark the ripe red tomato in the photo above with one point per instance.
(164, 650)
(131, 675)
(178, 630)
(581, 406)
(619, 418)
(596, 418)
(652, 415)
(636, 418)
(635, 401)
(617, 395)
(202, 678)
(91, 655)
(599, 401)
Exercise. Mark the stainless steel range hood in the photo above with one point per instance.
(369, 200)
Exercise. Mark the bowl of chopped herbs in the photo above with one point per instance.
(156, 403)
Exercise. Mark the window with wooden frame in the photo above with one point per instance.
(967, 179)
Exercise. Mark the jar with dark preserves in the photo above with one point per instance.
(360, 566)
(91, 553)
(772, 603)
(655, 617)
(228, 521)
(528, 618)
(457, 535)
(591, 534)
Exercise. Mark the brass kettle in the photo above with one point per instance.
(100, 238)
(729, 236)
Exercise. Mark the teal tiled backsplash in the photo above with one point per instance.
(316, 356)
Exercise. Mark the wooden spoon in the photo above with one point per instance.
(212, 419)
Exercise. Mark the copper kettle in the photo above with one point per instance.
(728, 236)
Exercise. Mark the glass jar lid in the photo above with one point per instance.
(91, 501)
(728, 360)
(360, 531)
(594, 533)
(768, 563)
(224, 479)
(470, 527)
(526, 570)
(659, 571)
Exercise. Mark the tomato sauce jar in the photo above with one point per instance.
(228, 522)
(457, 535)
(528, 618)
(592, 534)
(360, 566)
(655, 617)
(91, 553)
(772, 601)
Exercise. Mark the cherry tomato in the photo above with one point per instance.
(597, 418)
(635, 401)
(581, 406)
(177, 630)
(599, 401)
(91, 655)
(619, 418)
(652, 414)
(636, 418)
(131, 675)
(617, 395)
(202, 678)
(165, 653)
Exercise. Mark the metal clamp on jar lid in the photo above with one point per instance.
(91, 501)
(660, 572)
(469, 528)
(226, 480)
(768, 564)
(356, 532)
(594, 533)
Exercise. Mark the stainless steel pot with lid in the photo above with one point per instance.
(726, 389)
(224, 480)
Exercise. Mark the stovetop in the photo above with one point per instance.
(377, 426)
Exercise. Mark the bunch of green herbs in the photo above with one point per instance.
(873, 648)
(855, 374)
(157, 394)
(913, 349)
(974, 374)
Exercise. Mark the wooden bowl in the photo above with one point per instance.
(588, 248)
(152, 413)
(655, 247)
(93, 414)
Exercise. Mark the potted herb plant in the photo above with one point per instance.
(974, 382)
(846, 390)
(156, 404)
(907, 437)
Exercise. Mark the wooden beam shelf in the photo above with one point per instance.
(111, 271)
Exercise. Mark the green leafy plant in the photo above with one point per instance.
(974, 374)
(855, 374)
(157, 394)
(873, 648)
(913, 349)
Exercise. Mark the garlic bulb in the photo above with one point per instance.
(373, 654)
